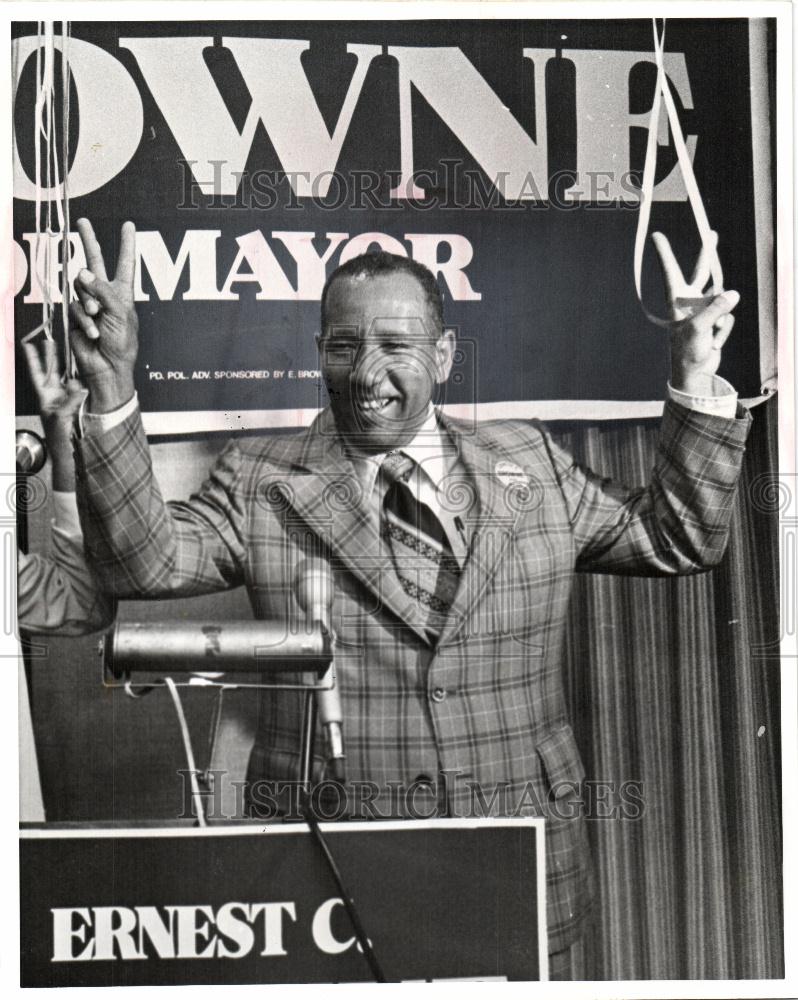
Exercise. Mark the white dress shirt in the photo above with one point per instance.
(435, 460)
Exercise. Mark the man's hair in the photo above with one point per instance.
(380, 262)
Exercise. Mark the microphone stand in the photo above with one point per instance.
(309, 718)
(31, 455)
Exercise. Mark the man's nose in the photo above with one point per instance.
(368, 362)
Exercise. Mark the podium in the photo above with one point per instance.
(254, 903)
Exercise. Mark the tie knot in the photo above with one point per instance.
(397, 467)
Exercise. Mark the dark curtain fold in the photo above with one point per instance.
(674, 687)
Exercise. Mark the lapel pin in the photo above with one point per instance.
(508, 474)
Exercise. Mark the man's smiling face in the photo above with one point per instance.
(382, 354)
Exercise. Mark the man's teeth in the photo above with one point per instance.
(376, 404)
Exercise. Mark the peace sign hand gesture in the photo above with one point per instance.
(104, 325)
(703, 322)
(58, 400)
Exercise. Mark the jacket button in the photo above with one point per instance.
(438, 694)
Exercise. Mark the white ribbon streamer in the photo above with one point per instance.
(708, 242)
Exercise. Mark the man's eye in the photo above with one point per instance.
(340, 353)
(396, 347)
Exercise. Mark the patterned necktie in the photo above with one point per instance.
(422, 554)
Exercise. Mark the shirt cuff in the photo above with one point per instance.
(722, 404)
(66, 520)
(94, 424)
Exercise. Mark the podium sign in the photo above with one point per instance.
(439, 899)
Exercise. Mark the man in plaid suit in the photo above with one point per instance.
(459, 712)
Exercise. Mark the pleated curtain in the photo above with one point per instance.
(674, 687)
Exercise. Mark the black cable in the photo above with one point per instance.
(349, 903)
(309, 717)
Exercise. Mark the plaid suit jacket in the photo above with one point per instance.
(476, 724)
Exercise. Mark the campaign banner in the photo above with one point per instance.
(252, 904)
(506, 155)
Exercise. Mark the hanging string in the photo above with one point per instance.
(192, 767)
(70, 368)
(49, 138)
(51, 199)
(38, 115)
(662, 93)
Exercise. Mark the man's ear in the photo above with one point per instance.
(444, 355)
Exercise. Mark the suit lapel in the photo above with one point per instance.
(491, 521)
(324, 491)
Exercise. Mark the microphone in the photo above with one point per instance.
(31, 453)
(313, 589)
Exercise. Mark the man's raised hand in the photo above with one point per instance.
(103, 322)
(702, 323)
(59, 400)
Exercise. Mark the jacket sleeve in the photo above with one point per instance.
(60, 595)
(142, 546)
(679, 523)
